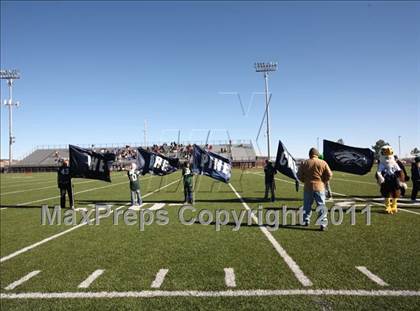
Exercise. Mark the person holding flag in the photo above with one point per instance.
(415, 178)
(270, 184)
(133, 176)
(187, 176)
(64, 184)
(328, 191)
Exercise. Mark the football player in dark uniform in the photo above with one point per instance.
(270, 184)
(64, 184)
(187, 176)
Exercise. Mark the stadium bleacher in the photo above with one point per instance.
(46, 158)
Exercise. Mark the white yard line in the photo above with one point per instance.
(361, 182)
(354, 198)
(22, 280)
(408, 211)
(137, 207)
(156, 206)
(27, 248)
(91, 278)
(34, 189)
(225, 293)
(160, 277)
(372, 276)
(83, 191)
(23, 183)
(303, 279)
(57, 196)
(230, 277)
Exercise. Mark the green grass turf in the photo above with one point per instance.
(197, 254)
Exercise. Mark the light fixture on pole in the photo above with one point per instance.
(10, 76)
(266, 68)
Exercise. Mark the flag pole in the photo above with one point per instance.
(199, 178)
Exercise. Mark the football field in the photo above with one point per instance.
(366, 259)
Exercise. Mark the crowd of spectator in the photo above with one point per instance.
(129, 153)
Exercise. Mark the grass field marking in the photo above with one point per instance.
(46, 187)
(303, 279)
(6, 184)
(11, 187)
(91, 278)
(27, 248)
(372, 276)
(40, 180)
(83, 191)
(31, 179)
(230, 277)
(345, 195)
(408, 211)
(33, 189)
(361, 182)
(137, 207)
(156, 206)
(22, 280)
(79, 192)
(160, 277)
(226, 293)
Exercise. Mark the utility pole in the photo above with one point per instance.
(10, 76)
(317, 143)
(266, 68)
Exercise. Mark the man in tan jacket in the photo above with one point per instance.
(314, 173)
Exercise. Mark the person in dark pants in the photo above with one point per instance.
(64, 184)
(406, 178)
(415, 178)
(270, 184)
(187, 176)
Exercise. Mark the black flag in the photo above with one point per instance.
(348, 159)
(150, 162)
(211, 164)
(286, 164)
(85, 163)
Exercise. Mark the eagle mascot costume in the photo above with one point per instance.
(391, 178)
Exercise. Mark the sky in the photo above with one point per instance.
(93, 72)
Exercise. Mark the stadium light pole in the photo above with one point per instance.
(399, 146)
(145, 133)
(266, 68)
(10, 76)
